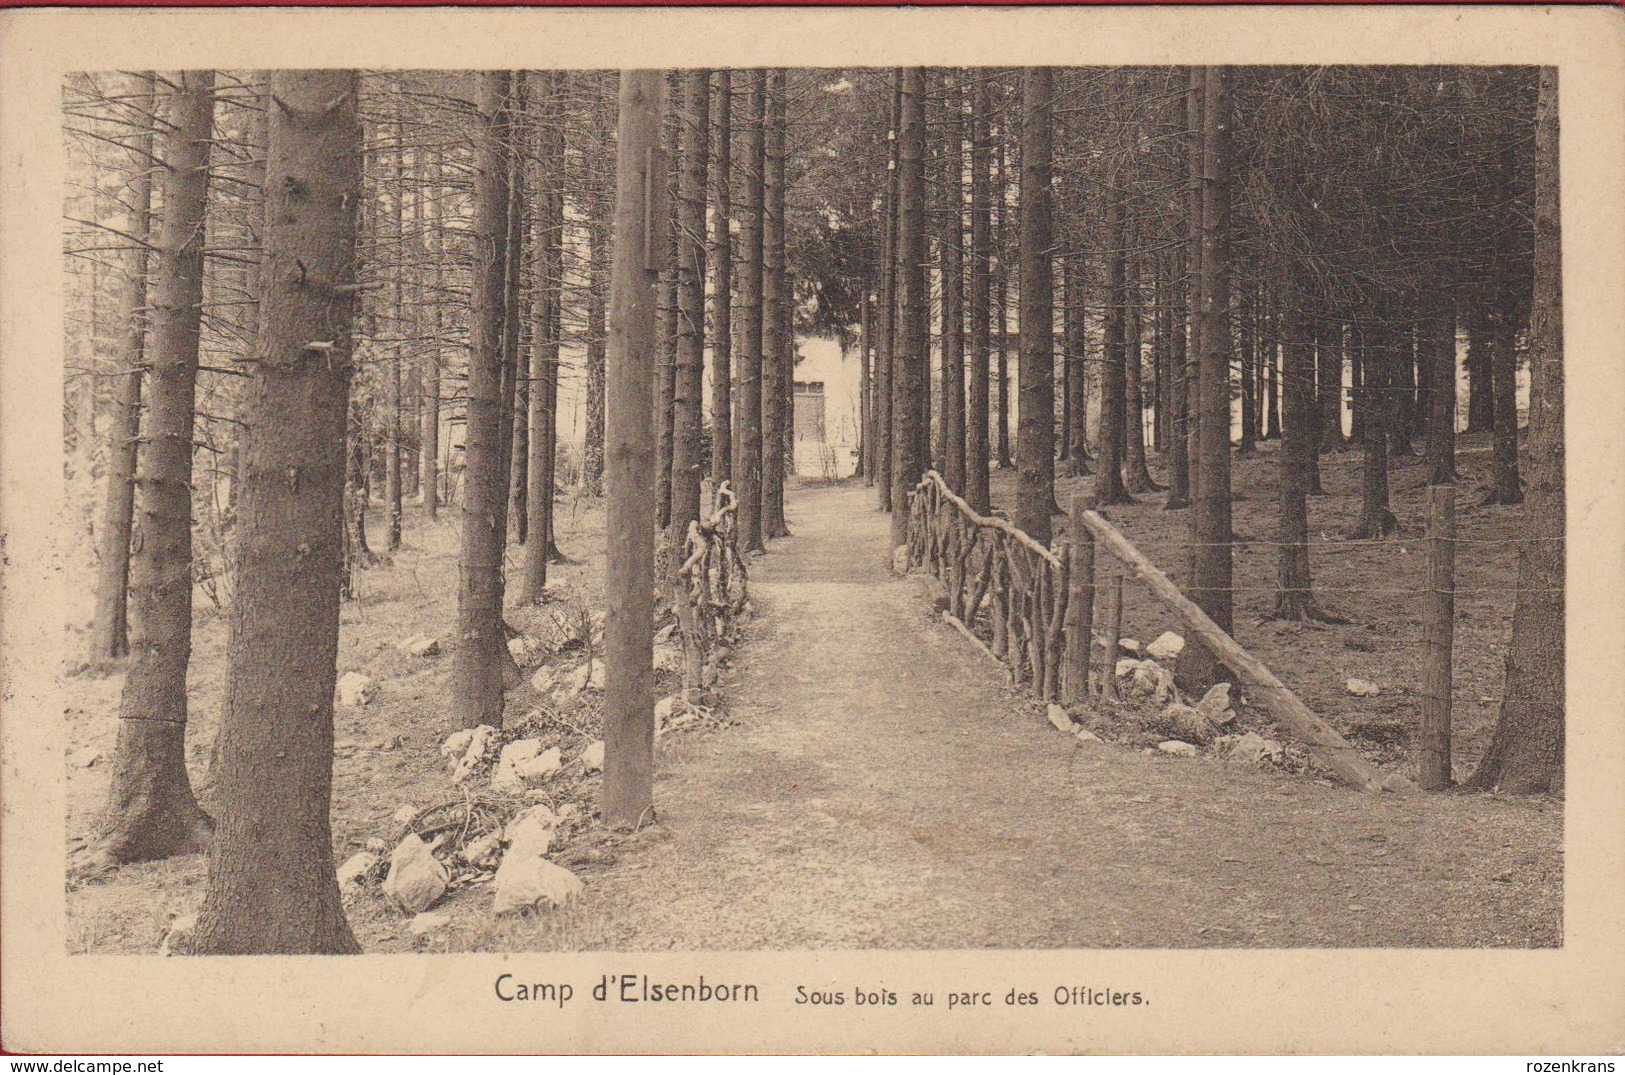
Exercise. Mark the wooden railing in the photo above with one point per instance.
(710, 590)
(1039, 607)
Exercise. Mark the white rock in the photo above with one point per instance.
(1187, 722)
(1084, 735)
(419, 645)
(1362, 688)
(1151, 678)
(376, 845)
(1215, 704)
(663, 635)
(543, 680)
(479, 745)
(899, 560)
(405, 815)
(356, 867)
(517, 648)
(668, 658)
(482, 851)
(1060, 718)
(456, 744)
(178, 941)
(1253, 747)
(416, 878)
(356, 689)
(524, 761)
(592, 759)
(664, 709)
(1128, 645)
(1126, 666)
(589, 675)
(568, 810)
(1166, 647)
(542, 766)
(1178, 748)
(532, 881)
(428, 922)
(531, 833)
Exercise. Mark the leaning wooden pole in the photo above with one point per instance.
(627, 796)
(1267, 691)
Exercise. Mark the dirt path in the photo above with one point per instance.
(884, 789)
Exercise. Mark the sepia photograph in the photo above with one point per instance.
(563, 510)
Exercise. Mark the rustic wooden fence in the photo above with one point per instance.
(709, 589)
(1039, 608)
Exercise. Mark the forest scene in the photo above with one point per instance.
(1107, 507)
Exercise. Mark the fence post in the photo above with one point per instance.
(1114, 629)
(1438, 634)
(1080, 606)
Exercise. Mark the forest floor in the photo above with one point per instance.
(875, 783)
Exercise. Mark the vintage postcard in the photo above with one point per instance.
(812, 530)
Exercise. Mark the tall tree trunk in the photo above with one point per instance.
(953, 284)
(1441, 357)
(1111, 428)
(886, 360)
(666, 371)
(1247, 353)
(1328, 337)
(981, 255)
(1507, 484)
(1179, 367)
(514, 409)
(1211, 562)
(1377, 349)
(626, 798)
(911, 358)
(1035, 450)
(722, 287)
(429, 413)
(776, 358)
(747, 418)
(152, 812)
(1526, 751)
(1137, 478)
(686, 463)
(1293, 598)
(1196, 281)
(478, 663)
(1075, 337)
(393, 399)
(1001, 305)
(109, 632)
(1480, 387)
(1401, 380)
(600, 205)
(548, 229)
(271, 885)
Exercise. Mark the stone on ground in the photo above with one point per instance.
(456, 744)
(1129, 645)
(1215, 704)
(525, 881)
(483, 851)
(478, 746)
(1253, 747)
(1060, 718)
(356, 867)
(405, 815)
(416, 878)
(592, 759)
(543, 680)
(1178, 748)
(1362, 688)
(899, 560)
(356, 689)
(1084, 735)
(1187, 722)
(524, 761)
(419, 645)
(178, 941)
(428, 922)
(531, 833)
(1165, 647)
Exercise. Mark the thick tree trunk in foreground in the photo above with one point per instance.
(722, 287)
(152, 812)
(911, 359)
(747, 418)
(626, 798)
(271, 886)
(1526, 752)
(109, 632)
(481, 651)
(1211, 529)
(1035, 448)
